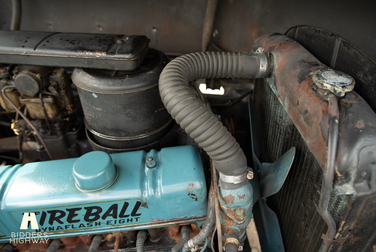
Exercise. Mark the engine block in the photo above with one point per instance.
(101, 193)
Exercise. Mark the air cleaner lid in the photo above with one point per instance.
(94, 171)
(120, 82)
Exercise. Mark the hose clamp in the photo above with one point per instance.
(232, 240)
(192, 246)
(264, 63)
(233, 179)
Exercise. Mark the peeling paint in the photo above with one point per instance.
(241, 196)
(229, 199)
(360, 124)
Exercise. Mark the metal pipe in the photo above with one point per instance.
(5, 124)
(95, 243)
(212, 238)
(117, 243)
(16, 15)
(327, 182)
(216, 204)
(27, 120)
(8, 144)
(208, 23)
(15, 160)
(54, 245)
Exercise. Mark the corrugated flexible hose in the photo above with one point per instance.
(195, 118)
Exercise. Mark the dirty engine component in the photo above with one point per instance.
(101, 193)
(122, 109)
(105, 51)
(312, 145)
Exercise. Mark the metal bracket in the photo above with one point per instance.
(331, 242)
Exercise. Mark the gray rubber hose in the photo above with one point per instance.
(195, 118)
(95, 243)
(8, 248)
(54, 246)
(184, 238)
(140, 242)
(207, 227)
(232, 247)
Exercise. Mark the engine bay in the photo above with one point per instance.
(108, 144)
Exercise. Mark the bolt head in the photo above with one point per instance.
(240, 213)
(150, 162)
(250, 175)
(260, 50)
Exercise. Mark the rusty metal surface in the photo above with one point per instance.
(61, 81)
(358, 230)
(158, 237)
(295, 204)
(13, 96)
(235, 209)
(338, 53)
(77, 243)
(34, 107)
(292, 83)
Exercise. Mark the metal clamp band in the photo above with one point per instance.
(192, 246)
(264, 65)
(233, 179)
(330, 242)
(232, 240)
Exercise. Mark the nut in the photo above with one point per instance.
(150, 162)
(250, 175)
(260, 50)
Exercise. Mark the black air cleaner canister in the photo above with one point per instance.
(123, 109)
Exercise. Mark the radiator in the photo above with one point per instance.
(291, 112)
(296, 204)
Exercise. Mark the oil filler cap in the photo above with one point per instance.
(94, 171)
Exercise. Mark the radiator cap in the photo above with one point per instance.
(94, 171)
(334, 81)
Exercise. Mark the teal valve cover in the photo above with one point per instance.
(101, 193)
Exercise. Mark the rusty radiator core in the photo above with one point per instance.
(296, 204)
